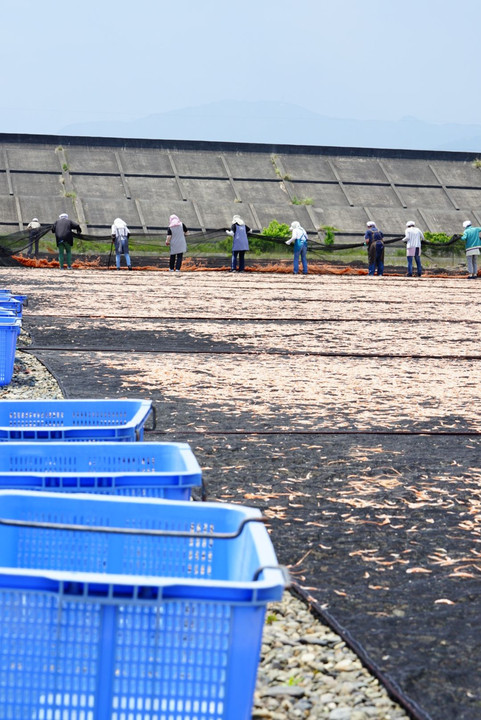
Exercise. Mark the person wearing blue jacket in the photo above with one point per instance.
(473, 243)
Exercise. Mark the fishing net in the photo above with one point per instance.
(14, 245)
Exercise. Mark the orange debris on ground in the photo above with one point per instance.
(200, 265)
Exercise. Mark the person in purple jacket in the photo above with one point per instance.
(240, 243)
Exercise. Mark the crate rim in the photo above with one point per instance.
(170, 589)
(155, 581)
(108, 444)
(71, 401)
(26, 405)
(247, 510)
(120, 481)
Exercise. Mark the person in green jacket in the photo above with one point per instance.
(473, 243)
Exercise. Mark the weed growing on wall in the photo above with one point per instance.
(302, 201)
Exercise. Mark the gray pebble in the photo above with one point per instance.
(291, 690)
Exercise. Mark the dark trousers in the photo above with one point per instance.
(176, 261)
(376, 258)
(241, 254)
(64, 248)
(33, 240)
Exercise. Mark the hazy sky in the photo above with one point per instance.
(107, 59)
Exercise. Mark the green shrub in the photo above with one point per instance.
(441, 239)
(437, 237)
(329, 234)
(276, 229)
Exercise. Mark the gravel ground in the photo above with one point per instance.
(31, 379)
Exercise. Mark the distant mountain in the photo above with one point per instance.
(271, 122)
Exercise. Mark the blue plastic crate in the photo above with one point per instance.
(111, 626)
(21, 298)
(7, 295)
(9, 332)
(11, 304)
(162, 470)
(119, 420)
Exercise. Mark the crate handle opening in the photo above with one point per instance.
(153, 413)
(132, 531)
(281, 568)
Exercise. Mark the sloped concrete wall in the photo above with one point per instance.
(96, 180)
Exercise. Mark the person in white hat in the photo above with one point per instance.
(375, 248)
(33, 227)
(299, 238)
(120, 237)
(413, 237)
(473, 243)
(176, 233)
(240, 243)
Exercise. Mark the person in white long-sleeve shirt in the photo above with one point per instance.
(413, 238)
(299, 238)
(120, 236)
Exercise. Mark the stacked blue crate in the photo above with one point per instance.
(10, 326)
(118, 608)
(91, 446)
(144, 469)
(74, 420)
